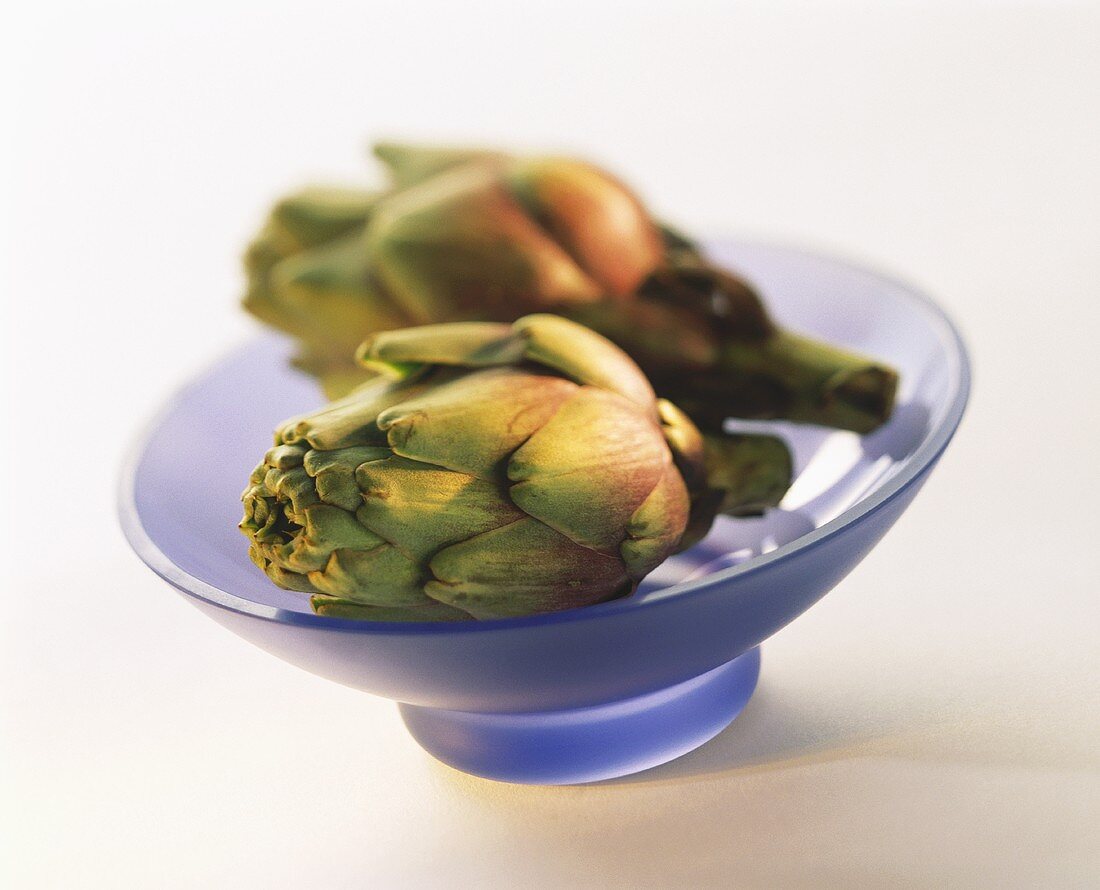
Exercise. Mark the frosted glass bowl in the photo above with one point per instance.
(605, 690)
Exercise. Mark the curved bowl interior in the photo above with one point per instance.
(180, 508)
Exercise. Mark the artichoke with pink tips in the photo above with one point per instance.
(468, 235)
(491, 471)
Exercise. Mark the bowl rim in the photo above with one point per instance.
(910, 472)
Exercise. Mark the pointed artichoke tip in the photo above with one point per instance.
(369, 355)
(549, 324)
(385, 150)
(537, 318)
(366, 351)
(320, 604)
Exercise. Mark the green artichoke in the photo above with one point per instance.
(478, 235)
(494, 470)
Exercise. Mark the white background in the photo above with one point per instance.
(933, 721)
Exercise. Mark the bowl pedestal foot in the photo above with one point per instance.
(590, 743)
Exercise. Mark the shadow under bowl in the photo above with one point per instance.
(596, 692)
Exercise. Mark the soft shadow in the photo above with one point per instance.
(759, 534)
(902, 435)
(782, 729)
(773, 732)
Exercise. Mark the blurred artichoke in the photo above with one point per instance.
(495, 470)
(477, 235)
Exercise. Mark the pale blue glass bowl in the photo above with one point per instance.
(605, 690)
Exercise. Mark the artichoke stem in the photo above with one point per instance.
(788, 376)
(820, 383)
(745, 475)
(752, 471)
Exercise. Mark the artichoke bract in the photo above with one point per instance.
(481, 235)
(491, 471)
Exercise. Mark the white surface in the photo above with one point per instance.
(932, 722)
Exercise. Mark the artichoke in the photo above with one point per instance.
(478, 235)
(493, 470)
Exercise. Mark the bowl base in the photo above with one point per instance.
(591, 743)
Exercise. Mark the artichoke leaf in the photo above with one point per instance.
(421, 508)
(523, 568)
(382, 576)
(587, 486)
(472, 424)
